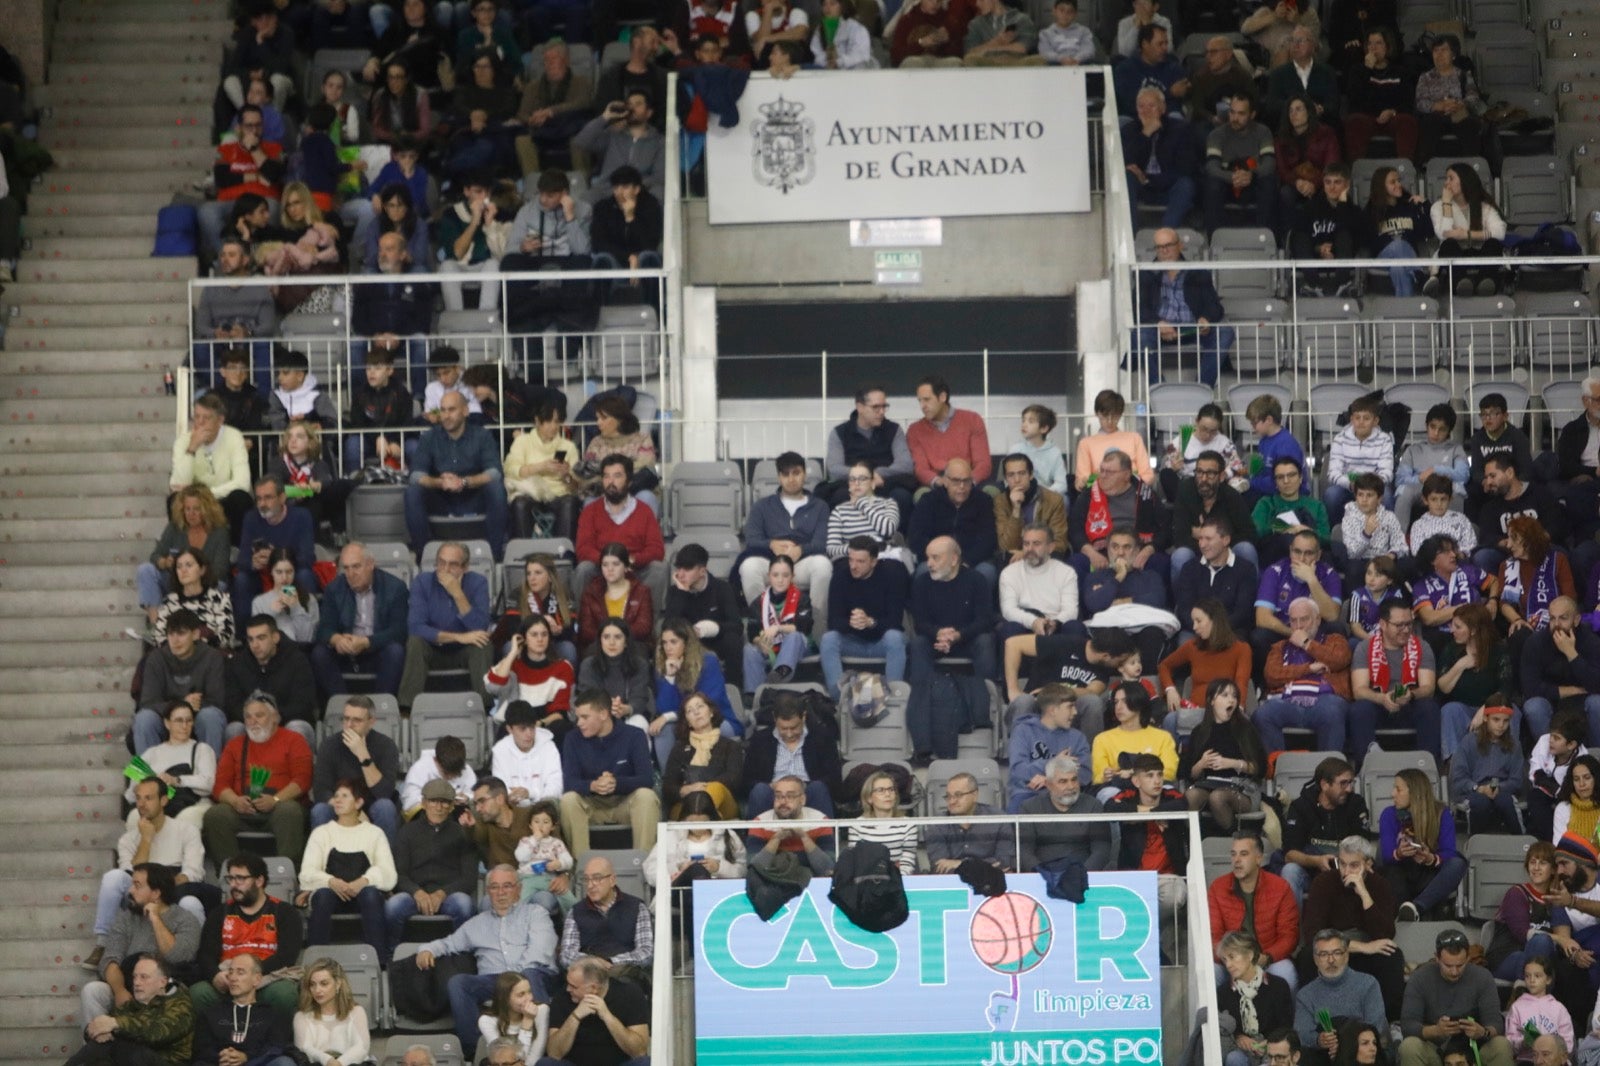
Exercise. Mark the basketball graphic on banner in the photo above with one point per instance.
(1011, 933)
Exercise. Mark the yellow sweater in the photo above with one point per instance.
(1147, 741)
(529, 448)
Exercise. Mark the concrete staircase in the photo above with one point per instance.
(85, 438)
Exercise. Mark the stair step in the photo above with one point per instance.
(85, 820)
(122, 93)
(142, 530)
(149, 179)
(63, 333)
(183, 52)
(37, 1046)
(155, 117)
(85, 735)
(128, 553)
(87, 577)
(34, 1013)
(68, 866)
(105, 603)
(198, 11)
(135, 437)
(104, 630)
(147, 504)
(51, 248)
(110, 25)
(114, 489)
(177, 75)
(34, 918)
(86, 296)
(94, 709)
(77, 759)
(130, 225)
(122, 315)
(64, 980)
(31, 784)
(127, 464)
(112, 680)
(192, 161)
(51, 204)
(84, 384)
(149, 409)
(133, 268)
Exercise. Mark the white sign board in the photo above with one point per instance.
(900, 232)
(827, 145)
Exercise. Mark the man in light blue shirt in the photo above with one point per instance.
(447, 624)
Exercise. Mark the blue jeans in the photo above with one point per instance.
(150, 729)
(1540, 711)
(1487, 814)
(891, 648)
(790, 651)
(1404, 279)
(1366, 717)
(368, 902)
(1213, 346)
(1177, 201)
(1181, 557)
(382, 813)
(398, 909)
(1326, 716)
(1299, 879)
(153, 584)
(818, 798)
(1510, 968)
(488, 500)
(1454, 718)
(386, 663)
(469, 991)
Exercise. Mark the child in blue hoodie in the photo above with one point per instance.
(1038, 738)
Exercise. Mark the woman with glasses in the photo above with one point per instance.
(880, 809)
(861, 514)
(183, 763)
(1286, 512)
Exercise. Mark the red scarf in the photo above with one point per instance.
(1097, 526)
(1378, 664)
(769, 617)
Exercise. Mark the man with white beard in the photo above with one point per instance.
(278, 805)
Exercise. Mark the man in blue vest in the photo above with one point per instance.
(607, 922)
(869, 435)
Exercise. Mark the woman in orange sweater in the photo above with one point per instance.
(1215, 652)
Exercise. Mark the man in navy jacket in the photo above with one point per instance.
(354, 637)
(866, 612)
(605, 764)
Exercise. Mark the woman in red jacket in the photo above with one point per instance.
(615, 593)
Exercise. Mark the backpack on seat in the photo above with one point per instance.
(868, 888)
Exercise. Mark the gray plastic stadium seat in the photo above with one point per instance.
(1515, 392)
(1294, 769)
(629, 343)
(1244, 242)
(991, 783)
(360, 962)
(474, 333)
(1173, 404)
(1379, 770)
(457, 714)
(1534, 190)
(1329, 336)
(1561, 332)
(1241, 394)
(705, 495)
(377, 513)
(1482, 335)
(389, 721)
(1261, 335)
(446, 1048)
(764, 478)
(1403, 336)
(1362, 170)
(629, 864)
(1434, 175)
(1494, 864)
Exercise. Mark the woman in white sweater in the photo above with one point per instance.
(330, 1028)
(1468, 226)
(863, 514)
(183, 763)
(347, 867)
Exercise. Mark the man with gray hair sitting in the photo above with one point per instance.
(1339, 991)
(597, 1021)
(1354, 897)
(1046, 845)
(419, 1055)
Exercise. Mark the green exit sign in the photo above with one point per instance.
(897, 260)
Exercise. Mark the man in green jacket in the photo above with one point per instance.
(154, 1028)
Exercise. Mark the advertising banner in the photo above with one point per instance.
(902, 144)
(967, 980)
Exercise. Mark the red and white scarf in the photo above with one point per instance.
(1097, 526)
(771, 617)
(1378, 664)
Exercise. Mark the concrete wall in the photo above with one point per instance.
(23, 32)
(1003, 255)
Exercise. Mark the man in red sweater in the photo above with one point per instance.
(1258, 902)
(618, 518)
(249, 164)
(943, 434)
(279, 804)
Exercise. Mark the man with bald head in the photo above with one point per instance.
(1179, 312)
(607, 922)
(456, 471)
(955, 508)
(362, 628)
(951, 617)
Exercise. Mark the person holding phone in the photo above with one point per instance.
(539, 479)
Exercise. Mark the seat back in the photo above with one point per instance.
(386, 711)
(282, 880)
(629, 342)
(1433, 177)
(991, 784)
(1416, 939)
(321, 337)
(1294, 769)
(1329, 335)
(709, 495)
(1262, 336)
(377, 513)
(458, 714)
(1515, 392)
(627, 862)
(476, 334)
(1243, 393)
(1494, 864)
(516, 557)
(1563, 400)
(1561, 331)
(1244, 242)
(1214, 852)
(1173, 404)
(1328, 401)
(1404, 336)
(394, 557)
(360, 962)
(1534, 190)
(764, 478)
(480, 560)
(1379, 770)
(1482, 334)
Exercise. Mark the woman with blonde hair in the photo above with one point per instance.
(195, 520)
(880, 806)
(1417, 846)
(330, 1027)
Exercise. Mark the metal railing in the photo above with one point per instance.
(578, 362)
(672, 1022)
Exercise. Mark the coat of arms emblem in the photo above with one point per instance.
(784, 155)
